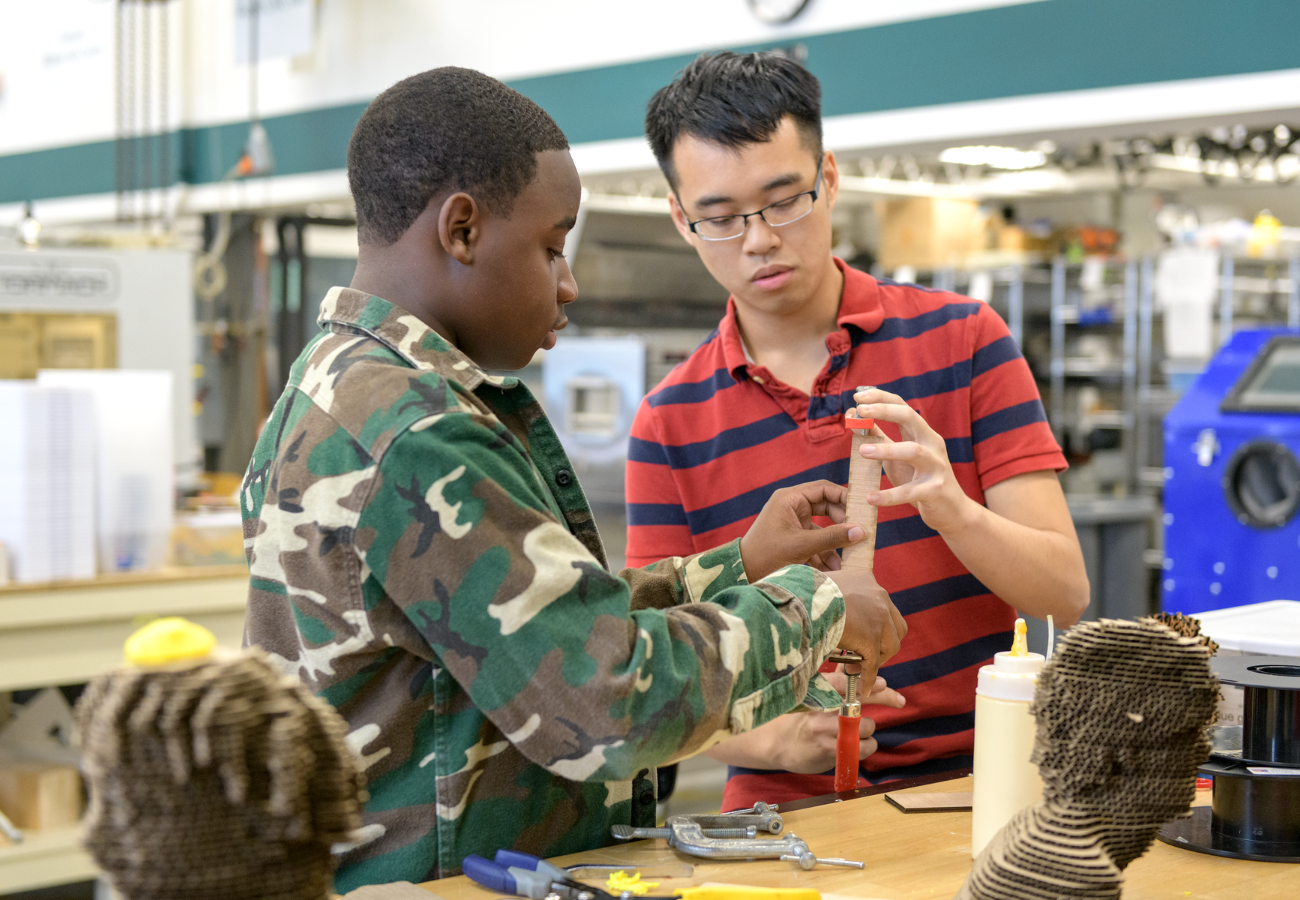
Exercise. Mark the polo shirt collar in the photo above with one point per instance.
(345, 309)
(859, 306)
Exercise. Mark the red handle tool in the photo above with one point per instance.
(846, 742)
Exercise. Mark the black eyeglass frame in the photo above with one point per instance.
(745, 217)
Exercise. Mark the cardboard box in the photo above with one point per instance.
(32, 341)
(20, 343)
(78, 342)
(208, 538)
(1090, 240)
(929, 233)
(1011, 239)
(36, 795)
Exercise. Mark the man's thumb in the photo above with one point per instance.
(832, 537)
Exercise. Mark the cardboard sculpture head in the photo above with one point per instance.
(1122, 713)
(212, 775)
(1122, 710)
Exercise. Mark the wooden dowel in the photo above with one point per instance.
(864, 479)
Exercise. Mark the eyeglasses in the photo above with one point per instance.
(782, 212)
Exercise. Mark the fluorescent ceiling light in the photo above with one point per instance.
(993, 157)
(894, 187)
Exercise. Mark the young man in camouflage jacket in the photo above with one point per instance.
(423, 557)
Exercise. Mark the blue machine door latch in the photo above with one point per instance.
(1206, 447)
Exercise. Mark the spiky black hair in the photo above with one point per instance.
(734, 99)
(445, 129)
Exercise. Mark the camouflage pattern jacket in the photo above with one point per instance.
(423, 557)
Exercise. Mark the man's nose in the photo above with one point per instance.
(566, 290)
(760, 238)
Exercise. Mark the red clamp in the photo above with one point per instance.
(854, 422)
(848, 737)
(847, 742)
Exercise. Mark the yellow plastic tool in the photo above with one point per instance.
(745, 892)
(169, 640)
(620, 882)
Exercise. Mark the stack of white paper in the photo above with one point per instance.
(1187, 284)
(47, 481)
(135, 474)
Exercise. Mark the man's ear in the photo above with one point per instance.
(830, 178)
(679, 219)
(460, 225)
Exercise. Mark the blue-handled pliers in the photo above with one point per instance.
(526, 875)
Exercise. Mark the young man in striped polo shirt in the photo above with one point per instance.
(973, 523)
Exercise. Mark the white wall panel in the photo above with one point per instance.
(57, 56)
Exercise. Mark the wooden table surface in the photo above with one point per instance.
(921, 855)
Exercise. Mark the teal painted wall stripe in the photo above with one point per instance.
(1036, 48)
(304, 142)
(1058, 45)
(60, 172)
(311, 141)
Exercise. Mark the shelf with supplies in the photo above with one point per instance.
(1087, 330)
(1088, 367)
(1093, 332)
(45, 859)
(1093, 325)
(1256, 292)
(1111, 364)
(68, 632)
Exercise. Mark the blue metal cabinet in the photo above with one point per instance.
(1232, 480)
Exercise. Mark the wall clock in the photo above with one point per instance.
(777, 12)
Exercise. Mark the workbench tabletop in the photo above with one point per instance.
(919, 855)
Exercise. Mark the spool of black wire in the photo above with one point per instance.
(1255, 813)
(1271, 722)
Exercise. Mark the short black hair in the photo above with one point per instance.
(734, 99)
(445, 129)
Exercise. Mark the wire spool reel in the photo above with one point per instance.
(1254, 814)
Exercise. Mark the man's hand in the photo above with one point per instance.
(804, 742)
(873, 626)
(917, 466)
(1022, 545)
(785, 535)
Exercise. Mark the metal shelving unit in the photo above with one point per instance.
(1008, 283)
(1259, 285)
(1144, 410)
(1130, 284)
(1133, 378)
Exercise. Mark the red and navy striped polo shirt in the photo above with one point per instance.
(713, 441)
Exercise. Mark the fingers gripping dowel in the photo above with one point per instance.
(864, 480)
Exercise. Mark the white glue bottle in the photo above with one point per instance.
(1005, 780)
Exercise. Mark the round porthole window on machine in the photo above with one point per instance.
(1262, 484)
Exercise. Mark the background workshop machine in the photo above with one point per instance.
(1232, 478)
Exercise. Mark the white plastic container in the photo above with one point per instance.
(135, 476)
(47, 481)
(1005, 780)
(1269, 629)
